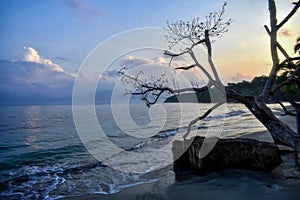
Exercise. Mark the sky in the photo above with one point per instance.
(44, 43)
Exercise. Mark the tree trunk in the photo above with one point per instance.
(297, 108)
(280, 132)
(273, 41)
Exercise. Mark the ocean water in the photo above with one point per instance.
(43, 157)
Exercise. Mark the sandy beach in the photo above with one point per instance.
(225, 184)
(281, 183)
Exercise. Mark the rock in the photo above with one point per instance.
(297, 160)
(285, 149)
(227, 153)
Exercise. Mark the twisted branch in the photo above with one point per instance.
(202, 117)
(155, 90)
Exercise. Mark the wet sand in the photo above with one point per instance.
(224, 184)
(282, 183)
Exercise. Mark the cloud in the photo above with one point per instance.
(160, 60)
(37, 80)
(284, 33)
(61, 58)
(34, 80)
(112, 73)
(83, 9)
(240, 77)
(134, 61)
(23, 82)
(108, 79)
(31, 55)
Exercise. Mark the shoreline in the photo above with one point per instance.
(281, 183)
(228, 184)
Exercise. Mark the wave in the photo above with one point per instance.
(94, 178)
(36, 157)
(11, 147)
(226, 115)
(35, 179)
(28, 172)
(167, 133)
(164, 134)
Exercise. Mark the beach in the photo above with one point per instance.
(225, 184)
(281, 183)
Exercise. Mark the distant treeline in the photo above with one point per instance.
(252, 88)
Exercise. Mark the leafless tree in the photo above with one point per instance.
(190, 34)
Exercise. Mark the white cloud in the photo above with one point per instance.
(28, 82)
(160, 60)
(31, 55)
(34, 80)
(240, 77)
(134, 61)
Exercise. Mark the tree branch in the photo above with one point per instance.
(199, 42)
(290, 79)
(169, 53)
(135, 79)
(285, 110)
(149, 89)
(191, 53)
(273, 43)
(167, 89)
(208, 43)
(289, 59)
(155, 90)
(202, 117)
(293, 11)
(232, 94)
(201, 67)
(192, 32)
(277, 44)
(209, 51)
(217, 83)
(186, 68)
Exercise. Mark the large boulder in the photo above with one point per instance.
(227, 153)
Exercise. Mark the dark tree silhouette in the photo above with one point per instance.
(288, 83)
(190, 34)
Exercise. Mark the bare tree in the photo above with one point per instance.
(190, 34)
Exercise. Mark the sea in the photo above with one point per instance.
(43, 154)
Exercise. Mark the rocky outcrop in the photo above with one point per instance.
(227, 153)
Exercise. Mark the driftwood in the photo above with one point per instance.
(227, 153)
